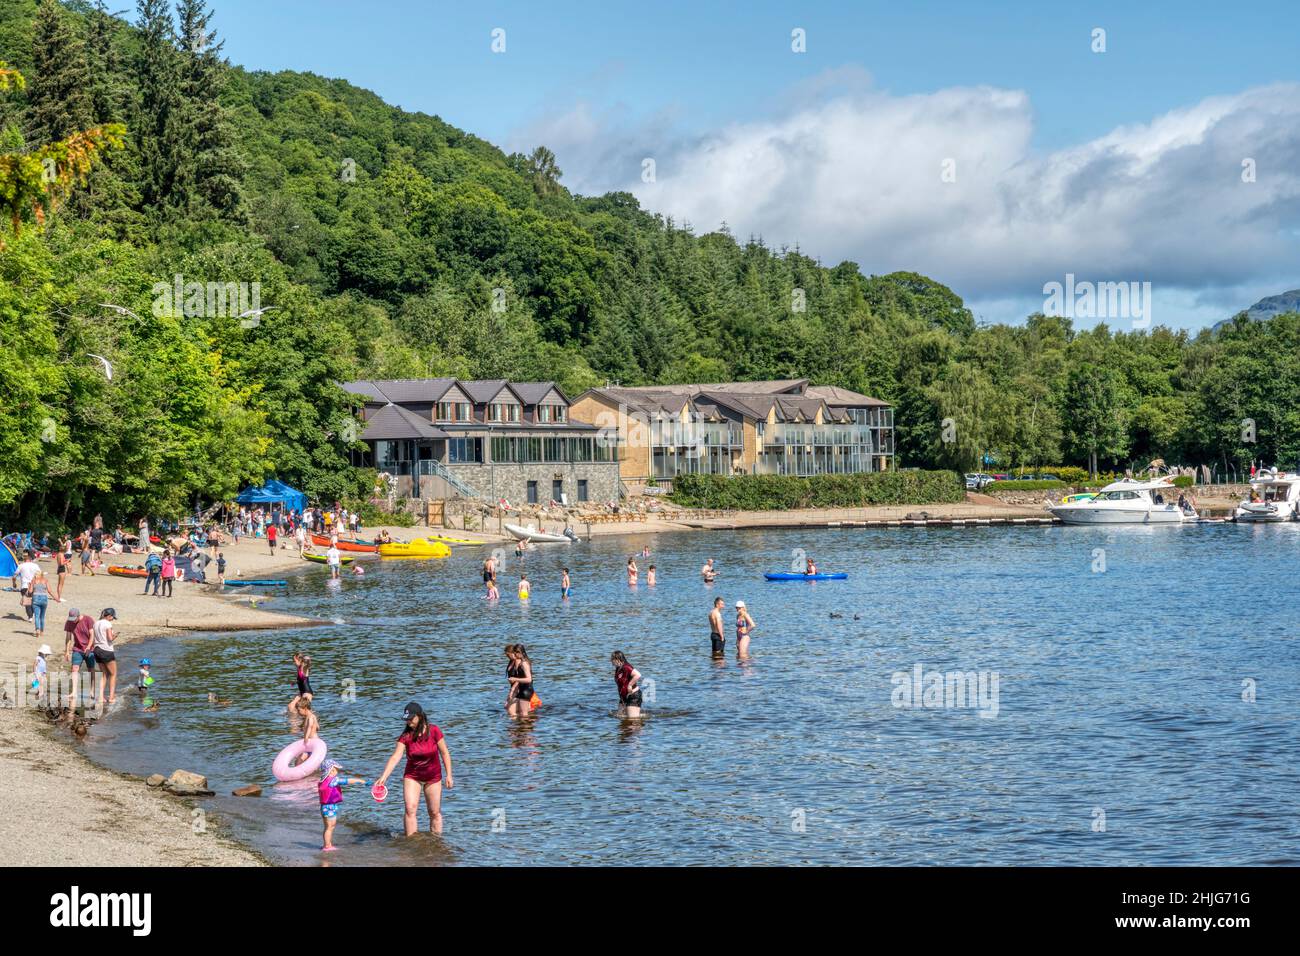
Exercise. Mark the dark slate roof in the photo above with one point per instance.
(400, 390)
(394, 423)
(534, 392)
(481, 391)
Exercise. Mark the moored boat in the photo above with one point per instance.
(362, 547)
(324, 559)
(1274, 496)
(531, 534)
(1127, 501)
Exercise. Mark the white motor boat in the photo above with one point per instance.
(1274, 496)
(531, 534)
(1127, 501)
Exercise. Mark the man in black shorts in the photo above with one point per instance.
(716, 635)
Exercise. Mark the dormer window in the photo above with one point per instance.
(550, 413)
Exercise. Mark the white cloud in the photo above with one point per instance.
(849, 172)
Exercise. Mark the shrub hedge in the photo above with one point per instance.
(772, 492)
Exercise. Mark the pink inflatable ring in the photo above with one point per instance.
(315, 750)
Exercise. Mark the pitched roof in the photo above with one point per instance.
(395, 423)
(834, 395)
(534, 392)
(401, 389)
(481, 391)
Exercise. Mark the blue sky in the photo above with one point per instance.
(605, 84)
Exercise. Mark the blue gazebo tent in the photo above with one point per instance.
(8, 561)
(274, 492)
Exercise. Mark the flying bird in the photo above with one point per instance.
(120, 310)
(108, 366)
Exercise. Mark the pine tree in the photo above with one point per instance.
(108, 95)
(156, 129)
(58, 102)
(213, 176)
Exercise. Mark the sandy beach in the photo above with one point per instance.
(57, 808)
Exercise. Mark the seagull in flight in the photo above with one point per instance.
(108, 366)
(120, 310)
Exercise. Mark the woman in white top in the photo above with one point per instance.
(105, 655)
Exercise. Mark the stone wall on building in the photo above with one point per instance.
(511, 481)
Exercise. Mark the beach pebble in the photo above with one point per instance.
(252, 790)
(186, 784)
(155, 780)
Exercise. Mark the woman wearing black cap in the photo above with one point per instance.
(422, 743)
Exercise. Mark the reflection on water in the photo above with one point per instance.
(1122, 696)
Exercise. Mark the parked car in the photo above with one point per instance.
(976, 480)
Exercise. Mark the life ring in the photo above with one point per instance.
(315, 749)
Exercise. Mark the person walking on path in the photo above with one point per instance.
(40, 593)
(61, 561)
(23, 577)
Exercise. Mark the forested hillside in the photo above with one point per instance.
(381, 243)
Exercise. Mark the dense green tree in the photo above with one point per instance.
(58, 91)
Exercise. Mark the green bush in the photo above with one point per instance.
(372, 515)
(1184, 481)
(784, 492)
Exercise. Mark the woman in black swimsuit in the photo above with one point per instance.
(520, 674)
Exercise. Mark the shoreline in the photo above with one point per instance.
(83, 814)
(53, 782)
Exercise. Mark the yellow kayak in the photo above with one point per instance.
(448, 540)
(419, 548)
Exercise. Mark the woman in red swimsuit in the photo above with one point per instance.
(422, 743)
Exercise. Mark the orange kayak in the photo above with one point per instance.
(365, 547)
(125, 571)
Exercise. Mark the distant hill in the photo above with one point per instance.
(1268, 307)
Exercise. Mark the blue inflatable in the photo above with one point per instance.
(797, 576)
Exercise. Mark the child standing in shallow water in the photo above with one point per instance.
(331, 797)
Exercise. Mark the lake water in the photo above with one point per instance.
(1122, 730)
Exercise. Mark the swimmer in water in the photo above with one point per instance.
(650, 576)
(717, 639)
(628, 680)
(492, 593)
(708, 572)
(303, 663)
(523, 587)
(631, 571)
(744, 630)
(564, 584)
(645, 551)
(519, 702)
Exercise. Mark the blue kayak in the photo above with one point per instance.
(257, 584)
(797, 576)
